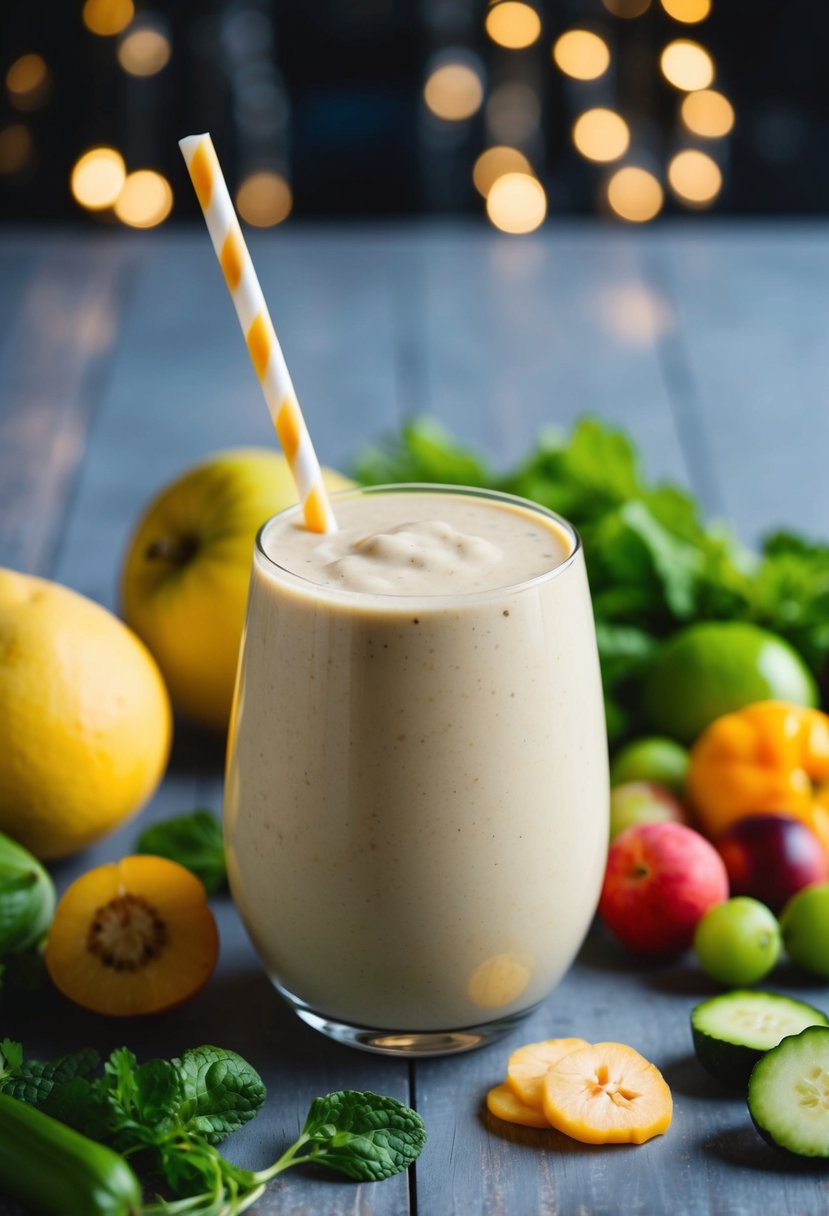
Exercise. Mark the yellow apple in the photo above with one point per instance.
(185, 576)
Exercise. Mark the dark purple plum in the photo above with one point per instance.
(770, 857)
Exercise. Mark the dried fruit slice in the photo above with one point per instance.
(502, 1103)
(527, 1065)
(134, 936)
(607, 1094)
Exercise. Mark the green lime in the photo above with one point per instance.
(737, 942)
(654, 759)
(716, 667)
(805, 925)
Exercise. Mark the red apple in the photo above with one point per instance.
(770, 857)
(642, 802)
(660, 880)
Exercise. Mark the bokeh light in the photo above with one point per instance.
(601, 134)
(29, 82)
(687, 65)
(494, 163)
(513, 25)
(107, 17)
(145, 50)
(627, 9)
(98, 178)
(145, 201)
(707, 113)
(264, 199)
(695, 177)
(454, 91)
(516, 203)
(635, 313)
(581, 54)
(16, 148)
(687, 11)
(634, 194)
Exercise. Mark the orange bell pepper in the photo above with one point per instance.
(770, 757)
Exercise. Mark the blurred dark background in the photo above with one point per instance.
(631, 109)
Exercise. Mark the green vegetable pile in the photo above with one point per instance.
(166, 1118)
(654, 564)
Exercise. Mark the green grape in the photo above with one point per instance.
(738, 942)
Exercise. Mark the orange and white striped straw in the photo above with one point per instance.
(260, 336)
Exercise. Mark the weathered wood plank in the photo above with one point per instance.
(710, 1161)
(514, 336)
(16, 265)
(64, 319)
(753, 365)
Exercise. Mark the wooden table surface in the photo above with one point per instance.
(121, 364)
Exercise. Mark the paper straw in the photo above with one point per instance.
(260, 336)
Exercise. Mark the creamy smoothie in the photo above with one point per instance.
(416, 801)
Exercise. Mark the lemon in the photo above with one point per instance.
(84, 718)
(716, 667)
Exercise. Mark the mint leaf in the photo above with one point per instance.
(33, 1081)
(194, 841)
(158, 1092)
(119, 1079)
(11, 1058)
(363, 1135)
(220, 1092)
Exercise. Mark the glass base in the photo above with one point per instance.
(405, 1043)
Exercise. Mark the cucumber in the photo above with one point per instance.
(788, 1094)
(56, 1170)
(731, 1032)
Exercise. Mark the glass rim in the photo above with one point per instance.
(408, 600)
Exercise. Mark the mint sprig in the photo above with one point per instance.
(167, 1116)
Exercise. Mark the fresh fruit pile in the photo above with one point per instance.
(754, 786)
(597, 1093)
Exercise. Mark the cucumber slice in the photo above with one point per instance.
(731, 1032)
(788, 1094)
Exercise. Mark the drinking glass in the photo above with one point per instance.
(416, 806)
